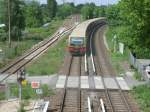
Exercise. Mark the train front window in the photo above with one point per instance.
(76, 41)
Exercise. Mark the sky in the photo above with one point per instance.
(97, 2)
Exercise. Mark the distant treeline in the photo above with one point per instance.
(133, 19)
(132, 15)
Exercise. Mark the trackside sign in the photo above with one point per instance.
(35, 85)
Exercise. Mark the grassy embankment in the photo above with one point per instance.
(27, 92)
(142, 95)
(142, 92)
(116, 57)
(31, 37)
(50, 62)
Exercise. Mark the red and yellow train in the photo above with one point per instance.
(77, 39)
(77, 45)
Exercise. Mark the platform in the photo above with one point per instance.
(81, 29)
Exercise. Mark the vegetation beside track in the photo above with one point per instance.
(2, 95)
(27, 92)
(30, 38)
(141, 94)
(117, 58)
(50, 62)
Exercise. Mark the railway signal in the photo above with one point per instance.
(20, 77)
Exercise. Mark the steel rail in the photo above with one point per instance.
(53, 40)
(120, 91)
(106, 91)
(65, 87)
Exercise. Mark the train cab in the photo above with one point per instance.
(76, 45)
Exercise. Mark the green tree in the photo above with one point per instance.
(52, 8)
(45, 13)
(78, 8)
(2, 11)
(65, 10)
(102, 11)
(113, 14)
(136, 14)
(33, 12)
(17, 19)
(87, 11)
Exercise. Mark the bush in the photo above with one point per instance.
(142, 93)
(28, 92)
(137, 76)
(2, 95)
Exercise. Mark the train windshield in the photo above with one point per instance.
(76, 41)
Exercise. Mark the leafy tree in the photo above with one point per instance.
(65, 10)
(78, 8)
(136, 14)
(52, 8)
(102, 11)
(45, 13)
(113, 14)
(33, 12)
(88, 11)
(17, 19)
(2, 11)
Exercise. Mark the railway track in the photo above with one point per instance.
(37, 50)
(119, 100)
(90, 100)
(71, 97)
(69, 100)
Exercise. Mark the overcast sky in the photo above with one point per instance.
(97, 2)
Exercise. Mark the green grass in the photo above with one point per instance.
(142, 95)
(137, 76)
(50, 62)
(33, 36)
(116, 57)
(41, 33)
(28, 92)
(2, 95)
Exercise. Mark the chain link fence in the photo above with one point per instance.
(139, 64)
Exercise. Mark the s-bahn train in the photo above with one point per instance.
(77, 45)
(77, 39)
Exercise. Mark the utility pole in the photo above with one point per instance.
(100, 2)
(107, 3)
(9, 38)
(63, 1)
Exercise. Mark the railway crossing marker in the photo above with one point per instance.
(39, 91)
(35, 85)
